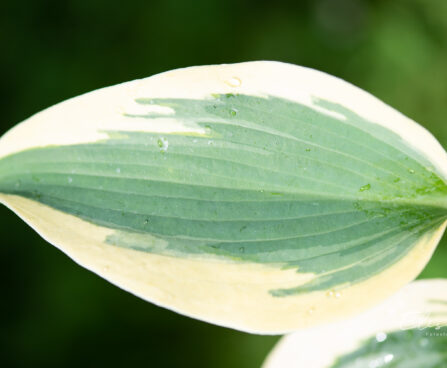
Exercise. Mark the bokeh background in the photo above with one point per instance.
(53, 313)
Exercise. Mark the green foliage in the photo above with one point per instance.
(53, 50)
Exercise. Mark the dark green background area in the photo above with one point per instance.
(56, 314)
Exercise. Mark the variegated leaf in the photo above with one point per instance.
(261, 196)
(407, 331)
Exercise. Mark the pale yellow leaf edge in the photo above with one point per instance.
(319, 347)
(228, 294)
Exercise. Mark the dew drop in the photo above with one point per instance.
(388, 358)
(233, 112)
(234, 82)
(146, 221)
(333, 294)
(307, 149)
(163, 144)
(70, 179)
(365, 188)
(242, 249)
(381, 336)
(118, 170)
(411, 171)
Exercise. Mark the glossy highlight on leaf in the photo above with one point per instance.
(241, 195)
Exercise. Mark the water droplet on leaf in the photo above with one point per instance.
(163, 144)
(234, 82)
(381, 336)
(365, 188)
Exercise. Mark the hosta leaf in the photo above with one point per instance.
(261, 196)
(409, 330)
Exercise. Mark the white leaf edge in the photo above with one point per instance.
(320, 346)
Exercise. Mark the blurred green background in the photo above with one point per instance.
(56, 314)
